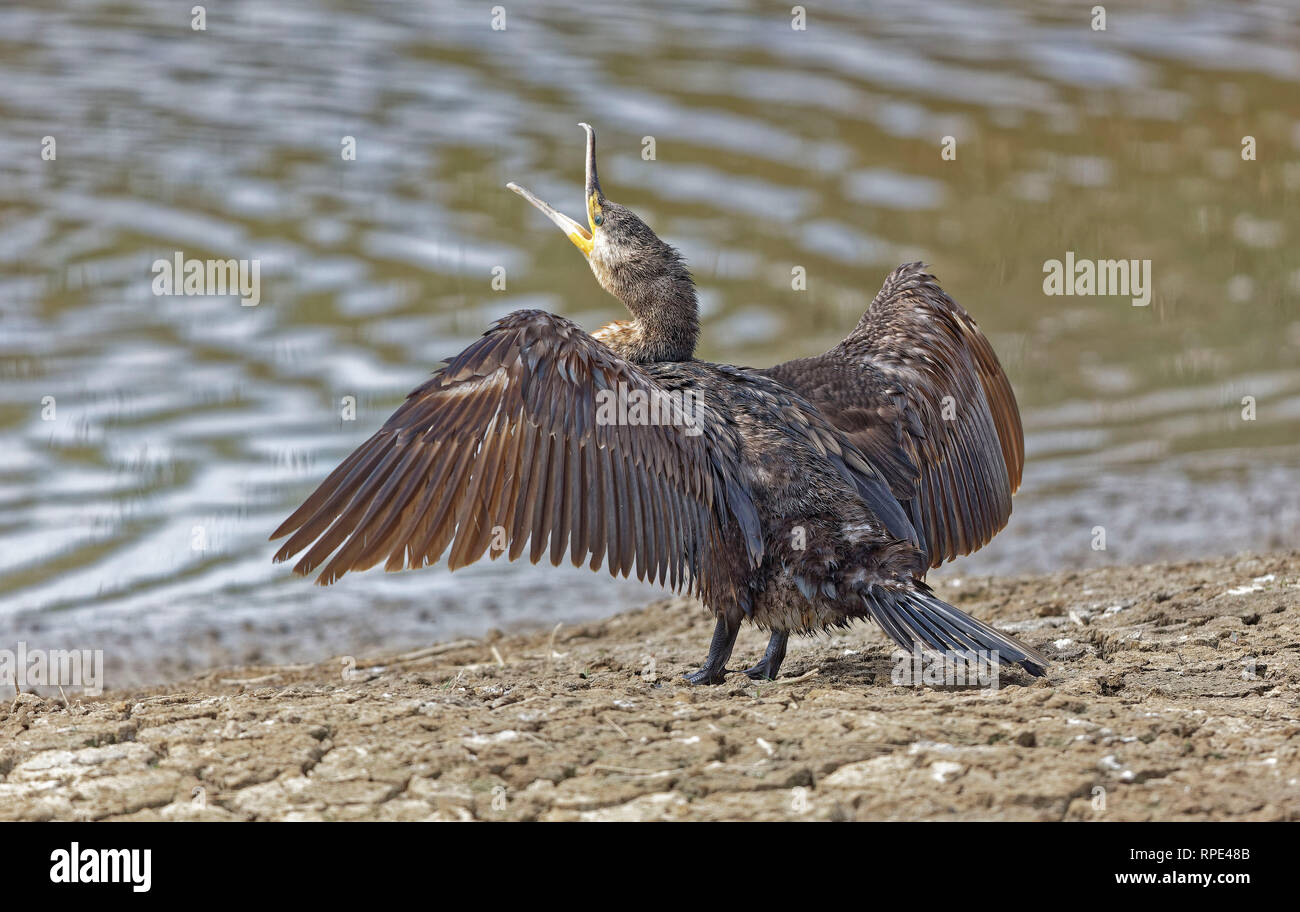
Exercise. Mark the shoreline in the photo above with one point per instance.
(1172, 694)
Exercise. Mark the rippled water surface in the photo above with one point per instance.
(151, 443)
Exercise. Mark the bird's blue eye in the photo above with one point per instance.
(599, 219)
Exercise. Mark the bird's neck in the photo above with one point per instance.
(665, 324)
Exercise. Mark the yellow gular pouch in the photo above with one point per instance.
(581, 240)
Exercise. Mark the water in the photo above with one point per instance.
(185, 428)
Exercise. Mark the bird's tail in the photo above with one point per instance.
(915, 616)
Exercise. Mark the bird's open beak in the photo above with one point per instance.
(581, 237)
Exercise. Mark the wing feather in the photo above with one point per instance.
(918, 389)
(505, 441)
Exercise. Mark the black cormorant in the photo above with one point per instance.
(799, 497)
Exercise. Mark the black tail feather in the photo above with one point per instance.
(914, 616)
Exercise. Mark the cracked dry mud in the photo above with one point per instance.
(1172, 695)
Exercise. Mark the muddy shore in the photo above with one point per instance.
(1173, 694)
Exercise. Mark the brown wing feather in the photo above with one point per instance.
(887, 387)
(503, 446)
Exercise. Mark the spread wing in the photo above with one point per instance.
(918, 389)
(504, 448)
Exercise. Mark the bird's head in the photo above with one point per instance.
(631, 263)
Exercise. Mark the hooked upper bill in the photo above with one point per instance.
(582, 238)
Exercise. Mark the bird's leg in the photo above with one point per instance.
(715, 664)
(770, 664)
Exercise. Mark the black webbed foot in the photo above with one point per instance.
(714, 670)
(706, 675)
(770, 665)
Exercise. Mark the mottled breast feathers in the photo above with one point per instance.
(502, 449)
(917, 387)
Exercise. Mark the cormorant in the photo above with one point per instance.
(799, 497)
